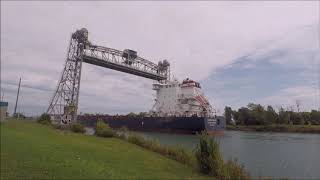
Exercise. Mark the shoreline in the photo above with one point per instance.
(312, 129)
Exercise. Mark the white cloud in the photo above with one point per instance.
(275, 70)
(287, 97)
(196, 37)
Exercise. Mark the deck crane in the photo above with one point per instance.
(63, 105)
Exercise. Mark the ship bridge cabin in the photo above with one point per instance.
(190, 83)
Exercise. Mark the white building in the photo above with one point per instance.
(3, 111)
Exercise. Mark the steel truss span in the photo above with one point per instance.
(63, 105)
(114, 59)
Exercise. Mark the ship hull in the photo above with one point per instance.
(186, 125)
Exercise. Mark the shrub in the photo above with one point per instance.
(123, 129)
(44, 119)
(208, 156)
(137, 139)
(57, 126)
(232, 170)
(174, 153)
(103, 130)
(155, 146)
(179, 154)
(210, 161)
(122, 132)
(121, 135)
(77, 128)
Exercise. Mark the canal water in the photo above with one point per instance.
(277, 155)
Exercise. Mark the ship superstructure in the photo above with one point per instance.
(184, 99)
(180, 107)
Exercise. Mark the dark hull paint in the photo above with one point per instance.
(188, 125)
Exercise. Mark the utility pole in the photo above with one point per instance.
(15, 107)
(318, 58)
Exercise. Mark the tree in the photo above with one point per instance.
(243, 116)
(315, 117)
(283, 116)
(228, 114)
(306, 116)
(271, 116)
(296, 118)
(131, 114)
(44, 119)
(142, 114)
(19, 115)
(235, 116)
(256, 114)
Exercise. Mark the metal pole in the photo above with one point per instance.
(15, 107)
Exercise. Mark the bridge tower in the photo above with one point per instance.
(64, 103)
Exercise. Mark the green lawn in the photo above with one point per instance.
(33, 151)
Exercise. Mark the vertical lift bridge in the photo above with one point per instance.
(64, 103)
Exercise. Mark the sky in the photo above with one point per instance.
(240, 52)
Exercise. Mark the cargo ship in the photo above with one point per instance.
(180, 107)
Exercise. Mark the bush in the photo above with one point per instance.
(77, 128)
(122, 132)
(137, 139)
(44, 119)
(103, 130)
(57, 126)
(121, 135)
(208, 156)
(123, 129)
(179, 154)
(210, 161)
(155, 146)
(174, 153)
(232, 170)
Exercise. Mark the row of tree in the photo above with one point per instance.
(256, 114)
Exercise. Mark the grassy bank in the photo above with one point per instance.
(278, 128)
(34, 151)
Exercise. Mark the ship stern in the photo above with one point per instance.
(215, 125)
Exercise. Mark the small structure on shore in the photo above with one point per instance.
(3, 111)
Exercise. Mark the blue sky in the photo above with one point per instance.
(283, 72)
(241, 52)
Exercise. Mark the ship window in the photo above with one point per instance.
(218, 121)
